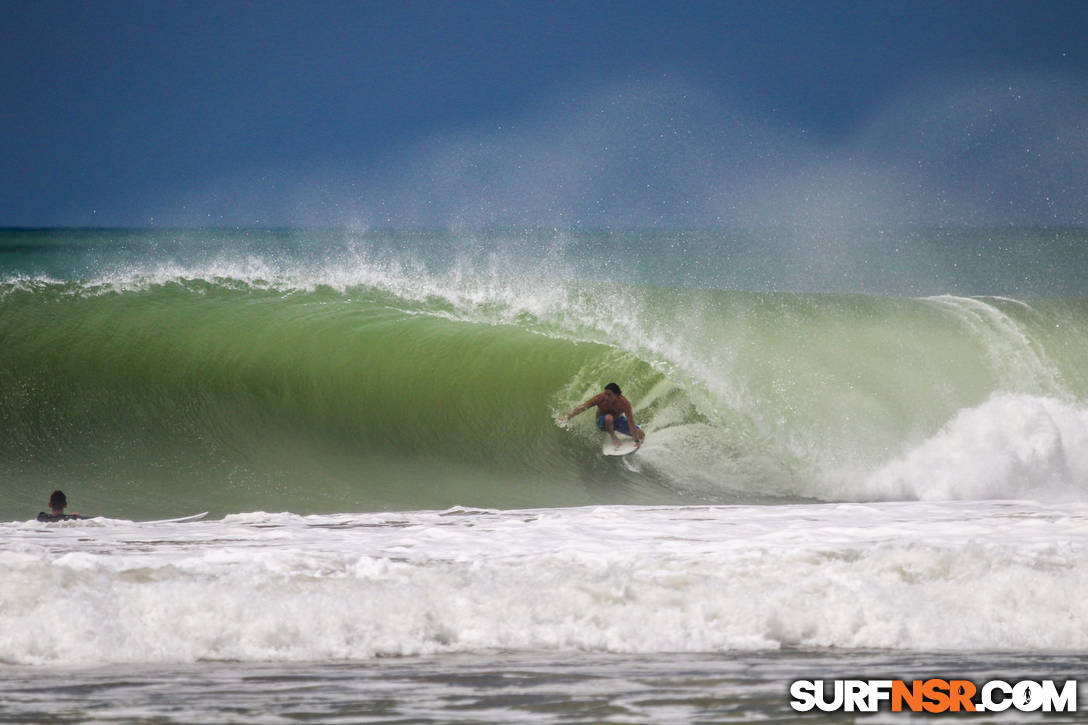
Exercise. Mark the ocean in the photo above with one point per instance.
(866, 457)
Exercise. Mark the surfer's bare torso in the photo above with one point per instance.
(614, 405)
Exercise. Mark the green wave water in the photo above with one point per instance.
(381, 383)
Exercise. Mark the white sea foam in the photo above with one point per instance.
(1011, 446)
(261, 587)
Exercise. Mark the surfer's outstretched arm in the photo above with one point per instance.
(582, 408)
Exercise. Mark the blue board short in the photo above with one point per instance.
(619, 424)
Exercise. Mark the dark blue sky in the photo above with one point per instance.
(589, 113)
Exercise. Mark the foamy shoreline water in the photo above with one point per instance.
(260, 587)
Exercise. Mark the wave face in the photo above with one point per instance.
(364, 378)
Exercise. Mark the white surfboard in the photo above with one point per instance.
(627, 445)
(182, 520)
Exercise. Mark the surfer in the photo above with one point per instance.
(613, 414)
(57, 503)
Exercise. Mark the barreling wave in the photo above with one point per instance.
(399, 388)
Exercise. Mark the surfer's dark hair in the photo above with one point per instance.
(614, 388)
(58, 500)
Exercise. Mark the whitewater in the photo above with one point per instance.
(839, 477)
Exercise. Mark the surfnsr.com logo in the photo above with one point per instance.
(933, 695)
